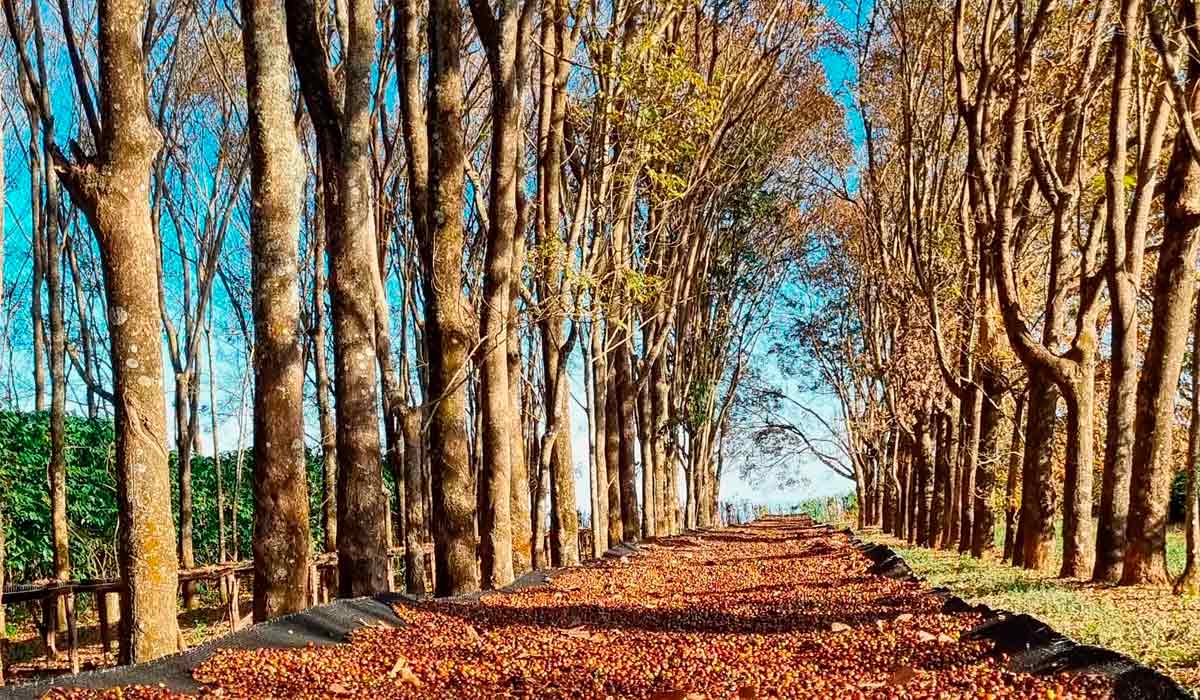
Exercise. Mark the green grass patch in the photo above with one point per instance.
(1149, 624)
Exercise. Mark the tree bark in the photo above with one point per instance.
(112, 189)
(1015, 453)
(626, 396)
(447, 321)
(414, 504)
(281, 537)
(612, 456)
(924, 481)
(597, 388)
(325, 413)
(1189, 582)
(983, 538)
(1125, 232)
(500, 36)
(343, 140)
(1174, 285)
(970, 463)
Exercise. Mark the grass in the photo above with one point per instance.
(1148, 623)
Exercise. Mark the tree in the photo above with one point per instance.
(343, 133)
(112, 187)
(448, 321)
(1174, 287)
(281, 538)
(501, 32)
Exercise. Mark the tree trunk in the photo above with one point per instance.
(522, 525)
(1015, 452)
(1174, 285)
(1078, 546)
(983, 538)
(500, 36)
(597, 411)
(1039, 490)
(612, 456)
(448, 324)
(900, 525)
(649, 522)
(663, 464)
(324, 404)
(943, 494)
(112, 190)
(414, 504)
(60, 536)
(925, 430)
(281, 537)
(564, 519)
(970, 462)
(1189, 582)
(1125, 232)
(183, 458)
(626, 397)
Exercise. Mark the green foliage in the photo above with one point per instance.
(821, 509)
(91, 485)
(92, 498)
(1178, 497)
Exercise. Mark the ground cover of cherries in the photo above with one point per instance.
(767, 610)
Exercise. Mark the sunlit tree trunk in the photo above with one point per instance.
(1189, 582)
(1016, 451)
(448, 322)
(113, 191)
(1174, 285)
(414, 504)
(281, 537)
(343, 139)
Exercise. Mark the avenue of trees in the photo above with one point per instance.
(401, 246)
(1009, 308)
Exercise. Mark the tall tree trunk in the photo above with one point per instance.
(943, 496)
(281, 537)
(925, 430)
(414, 503)
(612, 449)
(522, 524)
(325, 413)
(1078, 545)
(664, 465)
(600, 516)
(1189, 582)
(343, 142)
(983, 538)
(900, 526)
(183, 458)
(362, 539)
(58, 392)
(973, 408)
(112, 191)
(500, 36)
(1174, 286)
(1016, 451)
(1039, 490)
(649, 523)
(1125, 233)
(448, 324)
(626, 397)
